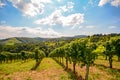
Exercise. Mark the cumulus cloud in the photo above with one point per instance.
(112, 27)
(9, 31)
(50, 20)
(115, 3)
(30, 7)
(72, 20)
(57, 18)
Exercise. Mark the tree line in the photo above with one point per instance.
(25, 51)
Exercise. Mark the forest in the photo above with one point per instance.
(77, 57)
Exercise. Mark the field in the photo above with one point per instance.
(49, 69)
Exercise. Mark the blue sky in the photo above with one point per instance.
(56, 18)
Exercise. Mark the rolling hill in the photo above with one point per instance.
(9, 41)
(14, 40)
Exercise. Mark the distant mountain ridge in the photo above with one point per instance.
(13, 40)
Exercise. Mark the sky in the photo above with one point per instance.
(56, 18)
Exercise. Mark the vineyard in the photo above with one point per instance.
(95, 57)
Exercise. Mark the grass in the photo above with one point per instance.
(8, 68)
(53, 69)
(103, 65)
(48, 63)
(49, 69)
(101, 70)
(101, 61)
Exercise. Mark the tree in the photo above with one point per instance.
(39, 55)
(110, 50)
(117, 47)
(74, 51)
(23, 55)
(2, 57)
(100, 50)
(67, 54)
(87, 55)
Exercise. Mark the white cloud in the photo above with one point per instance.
(50, 20)
(64, 8)
(67, 7)
(103, 2)
(115, 3)
(30, 7)
(90, 26)
(70, 5)
(81, 27)
(112, 27)
(2, 4)
(41, 1)
(72, 20)
(33, 10)
(45, 1)
(87, 33)
(57, 18)
(9, 31)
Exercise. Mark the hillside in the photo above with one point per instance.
(10, 41)
(14, 40)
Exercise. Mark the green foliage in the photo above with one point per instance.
(117, 48)
(110, 51)
(7, 56)
(77, 51)
(99, 50)
(39, 55)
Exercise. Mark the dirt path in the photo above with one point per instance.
(47, 70)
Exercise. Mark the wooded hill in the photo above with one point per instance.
(14, 40)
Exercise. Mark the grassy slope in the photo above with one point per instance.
(47, 70)
(101, 70)
(103, 65)
(50, 70)
(11, 41)
(8, 68)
